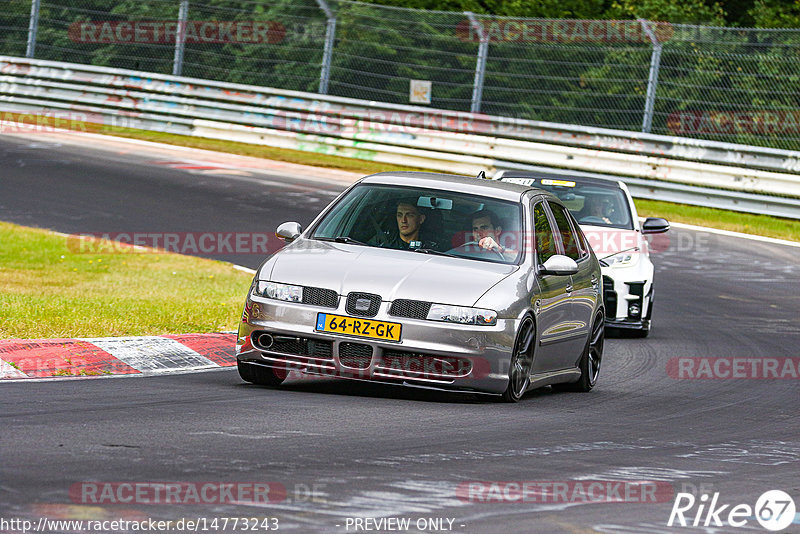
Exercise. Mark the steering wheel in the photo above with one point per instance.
(589, 219)
(465, 248)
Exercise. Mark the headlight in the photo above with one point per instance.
(274, 290)
(462, 315)
(623, 259)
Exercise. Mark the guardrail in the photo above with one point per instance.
(670, 168)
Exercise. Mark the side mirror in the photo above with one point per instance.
(559, 265)
(289, 231)
(655, 225)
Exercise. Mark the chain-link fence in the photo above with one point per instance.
(727, 84)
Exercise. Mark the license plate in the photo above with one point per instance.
(351, 326)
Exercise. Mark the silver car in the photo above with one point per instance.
(434, 281)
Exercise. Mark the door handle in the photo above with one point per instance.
(568, 289)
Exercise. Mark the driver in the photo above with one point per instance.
(595, 207)
(486, 230)
(409, 223)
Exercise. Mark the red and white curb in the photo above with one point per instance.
(85, 357)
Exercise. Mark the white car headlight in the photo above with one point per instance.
(462, 315)
(623, 259)
(274, 290)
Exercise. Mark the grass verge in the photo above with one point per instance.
(745, 223)
(48, 291)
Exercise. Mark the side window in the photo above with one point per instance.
(568, 237)
(583, 244)
(545, 240)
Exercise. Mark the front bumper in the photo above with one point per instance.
(642, 324)
(430, 354)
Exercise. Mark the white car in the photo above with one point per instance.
(607, 215)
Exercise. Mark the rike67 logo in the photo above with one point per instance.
(774, 510)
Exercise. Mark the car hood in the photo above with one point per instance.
(389, 273)
(609, 241)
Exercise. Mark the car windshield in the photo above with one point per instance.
(592, 204)
(427, 221)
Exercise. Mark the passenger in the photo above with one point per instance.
(410, 222)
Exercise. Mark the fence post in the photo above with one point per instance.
(480, 65)
(33, 29)
(180, 38)
(652, 80)
(327, 54)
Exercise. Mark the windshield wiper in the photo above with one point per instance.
(343, 239)
(435, 252)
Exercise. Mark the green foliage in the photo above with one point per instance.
(683, 12)
(776, 13)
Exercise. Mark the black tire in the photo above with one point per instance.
(591, 359)
(521, 361)
(259, 375)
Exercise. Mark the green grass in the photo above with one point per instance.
(747, 223)
(49, 291)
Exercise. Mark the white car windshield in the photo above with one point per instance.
(593, 204)
(426, 220)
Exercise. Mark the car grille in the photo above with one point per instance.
(357, 300)
(298, 346)
(317, 296)
(297, 353)
(419, 366)
(355, 355)
(413, 309)
(609, 297)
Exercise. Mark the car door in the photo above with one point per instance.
(552, 302)
(582, 293)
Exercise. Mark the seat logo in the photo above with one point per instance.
(362, 305)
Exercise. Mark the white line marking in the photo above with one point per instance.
(728, 233)
(244, 269)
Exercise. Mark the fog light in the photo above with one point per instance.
(634, 310)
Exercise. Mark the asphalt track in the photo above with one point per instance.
(350, 450)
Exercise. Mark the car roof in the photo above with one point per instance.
(453, 182)
(579, 180)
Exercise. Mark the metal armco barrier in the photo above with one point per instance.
(669, 168)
